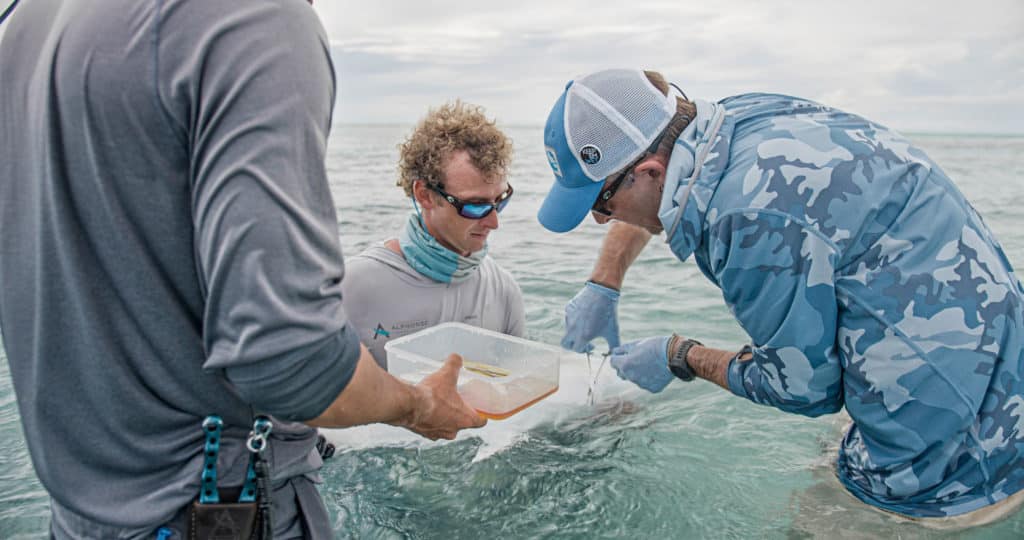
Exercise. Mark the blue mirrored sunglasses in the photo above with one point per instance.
(474, 210)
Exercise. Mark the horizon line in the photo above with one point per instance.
(539, 126)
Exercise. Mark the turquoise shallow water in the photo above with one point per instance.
(692, 461)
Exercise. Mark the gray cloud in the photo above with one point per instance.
(934, 66)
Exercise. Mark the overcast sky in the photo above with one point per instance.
(937, 66)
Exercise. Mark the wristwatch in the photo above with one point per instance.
(677, 363)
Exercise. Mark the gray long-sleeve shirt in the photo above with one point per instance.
(169, 245)
(387, 299)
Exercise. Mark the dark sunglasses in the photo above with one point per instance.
(601, 204)
(474, 210)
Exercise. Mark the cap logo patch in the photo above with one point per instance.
(590, 154)
(553, 160)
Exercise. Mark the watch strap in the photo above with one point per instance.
(677, 363)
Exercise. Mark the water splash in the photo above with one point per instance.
(582, 392)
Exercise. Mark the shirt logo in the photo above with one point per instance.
(380, 331)
(590, 154)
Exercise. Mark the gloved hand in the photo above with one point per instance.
(644, 363)
(592, 313)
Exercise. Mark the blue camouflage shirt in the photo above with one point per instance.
(864, 279)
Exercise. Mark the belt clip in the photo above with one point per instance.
(261, 429)
(256, 444)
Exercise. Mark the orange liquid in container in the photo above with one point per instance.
(504, 415)
(495, 398)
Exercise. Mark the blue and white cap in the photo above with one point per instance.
(601, 123)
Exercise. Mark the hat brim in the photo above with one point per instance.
(565, 208)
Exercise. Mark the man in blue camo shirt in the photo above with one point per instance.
(860, 272)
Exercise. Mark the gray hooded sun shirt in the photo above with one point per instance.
(387, 299)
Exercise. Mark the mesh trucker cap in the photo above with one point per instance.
(601, 123)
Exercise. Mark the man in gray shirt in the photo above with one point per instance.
(454, 166)
(169, 250)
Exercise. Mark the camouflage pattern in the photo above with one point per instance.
(864, 279)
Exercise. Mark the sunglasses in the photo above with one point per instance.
(474, 210)
(601, 204)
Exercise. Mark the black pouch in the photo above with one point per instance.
(224, 521)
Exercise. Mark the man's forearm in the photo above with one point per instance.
(371, 396)
(431, 408)
(710, 364)
(622, 245)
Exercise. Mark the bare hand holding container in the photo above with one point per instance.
(501, 375)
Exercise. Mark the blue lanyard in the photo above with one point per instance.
(7, 12)
(212, 427)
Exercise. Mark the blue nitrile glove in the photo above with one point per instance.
(644, 363)
(589, 315)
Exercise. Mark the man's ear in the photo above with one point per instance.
(654, 165)
(422, 194)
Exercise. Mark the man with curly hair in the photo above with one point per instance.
(454, 166)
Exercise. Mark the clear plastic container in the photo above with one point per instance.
(501, 375)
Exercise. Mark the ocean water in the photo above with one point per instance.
(690, 462)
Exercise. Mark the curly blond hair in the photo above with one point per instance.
(448, 129)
